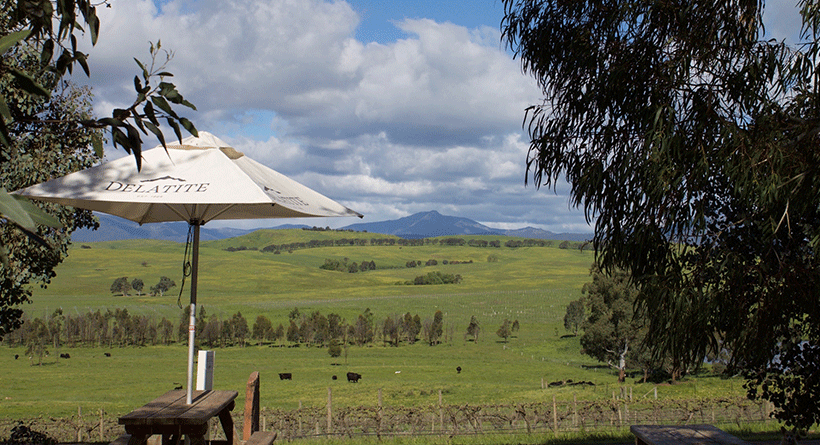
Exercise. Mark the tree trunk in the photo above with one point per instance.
(622, 364)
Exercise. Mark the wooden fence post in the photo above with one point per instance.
(379, 426)
(329, 410)
(300, 418)
(102, 425)
(575, 410)
(79, 434)
(251, 420)
(440, 412)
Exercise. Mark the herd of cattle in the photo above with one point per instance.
(352, 377)
(65, 355)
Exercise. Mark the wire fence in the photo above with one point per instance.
(441, 419)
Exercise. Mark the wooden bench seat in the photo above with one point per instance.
(261, 438)
(683, 434)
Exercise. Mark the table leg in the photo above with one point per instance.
(227, 425)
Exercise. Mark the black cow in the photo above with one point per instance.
(333, 378)
(285, 376)
(458, 369)
(353, 377)
(66, 355)
(107, 354)
(16, 356)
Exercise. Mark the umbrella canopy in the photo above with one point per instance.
(200, 180)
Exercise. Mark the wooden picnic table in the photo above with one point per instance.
(683, 434)
(170, 416)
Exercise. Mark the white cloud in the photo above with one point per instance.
(428, 122)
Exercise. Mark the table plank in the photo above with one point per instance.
(683, 434)
(171, 409)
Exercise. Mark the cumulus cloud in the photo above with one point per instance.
(431, 121)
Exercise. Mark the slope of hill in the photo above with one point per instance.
(113, 228)
(431, 224)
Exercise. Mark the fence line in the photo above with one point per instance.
(384, 420)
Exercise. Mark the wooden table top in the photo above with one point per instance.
(684, 434)
(171, 409)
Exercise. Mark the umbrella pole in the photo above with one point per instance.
(192, 322)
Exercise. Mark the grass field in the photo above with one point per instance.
(532, 285)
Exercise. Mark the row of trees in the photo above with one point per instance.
(121, 328)
(289, 247)
(346, 266)
(123, 287)
(433, 262)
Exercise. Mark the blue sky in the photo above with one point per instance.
(377, 17)
(389, 107)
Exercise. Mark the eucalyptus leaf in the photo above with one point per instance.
(12, 39)
(4, 110)
(97, 142)
(12, 210)
(28, 84)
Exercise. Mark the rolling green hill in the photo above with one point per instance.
(529, 284)
(263, 281)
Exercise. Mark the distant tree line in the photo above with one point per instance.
(240, 248)
(436, 278)
(93, 328)
(346, 266)
(289, 247)
(120, 328)
(433, 262)
(449, 241)
(124, 287)
(328, 229)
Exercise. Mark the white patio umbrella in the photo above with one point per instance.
(201, 180)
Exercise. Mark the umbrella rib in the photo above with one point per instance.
(216, 215)
(182, 216)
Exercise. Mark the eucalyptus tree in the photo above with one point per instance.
(33, 154)
(138, 285)
(574, 316)
(47, 129)
(504, 330)
(262, 329)
(473, 329)
(692, 145)
(611, 331)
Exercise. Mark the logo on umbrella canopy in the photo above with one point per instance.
(276, 195)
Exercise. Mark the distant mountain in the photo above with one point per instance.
(532, 232)
(425, 225)
(420, 225)
(432, 223)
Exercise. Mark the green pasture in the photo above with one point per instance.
(532, 285)
(266, 283)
